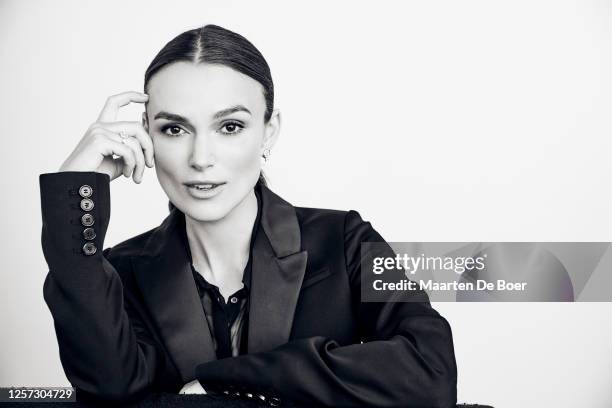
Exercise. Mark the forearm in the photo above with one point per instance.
(415, 367)
(98, 348)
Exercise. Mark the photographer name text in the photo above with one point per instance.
(430, 285)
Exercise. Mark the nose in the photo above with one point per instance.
(202, 152)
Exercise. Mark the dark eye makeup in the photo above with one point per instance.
(228, 127)
(231, 127)
(172, 129)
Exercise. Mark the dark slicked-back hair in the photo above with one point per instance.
(212, 44)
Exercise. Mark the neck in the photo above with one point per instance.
(220, 249)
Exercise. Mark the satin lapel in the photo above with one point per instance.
(164, 276)
(278, 270)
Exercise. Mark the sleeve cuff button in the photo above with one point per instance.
(89, 248)
(89, 234)
(85, 191)
(87, 220)
(87, 204)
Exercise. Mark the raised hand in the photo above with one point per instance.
(107, 138)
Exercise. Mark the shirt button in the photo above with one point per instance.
(86, 204)
(87, 220)
(85, 191)
(89, 248)
(233, 299)
(89, 234)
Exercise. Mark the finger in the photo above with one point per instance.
(114, 102)
(112, 146)
(133, 144)
(136, 170)
(138, 131)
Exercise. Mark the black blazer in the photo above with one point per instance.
(129, 320)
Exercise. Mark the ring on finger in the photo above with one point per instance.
(123, 137)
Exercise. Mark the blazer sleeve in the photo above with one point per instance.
(406, 358)
(105, 354)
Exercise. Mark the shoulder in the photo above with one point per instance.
(335, 237)
(317, 222)
(328, 223)
(323, 218)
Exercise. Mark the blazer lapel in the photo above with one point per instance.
(163, 273)
(278, 268)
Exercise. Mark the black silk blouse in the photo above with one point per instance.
(228, 321)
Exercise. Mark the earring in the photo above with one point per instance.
(266, 154)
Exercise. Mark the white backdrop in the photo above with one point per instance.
(437, 121)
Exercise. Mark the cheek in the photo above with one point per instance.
(244, 157)
(168, 156)
(167, 152)
(247, 161)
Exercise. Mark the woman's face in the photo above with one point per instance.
(208, 131)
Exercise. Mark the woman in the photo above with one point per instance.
(237, 291)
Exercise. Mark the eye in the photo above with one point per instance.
(172, 130)
(231, 128)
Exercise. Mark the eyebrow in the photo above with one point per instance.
(229, 111)
(220, 114)
(171, 116)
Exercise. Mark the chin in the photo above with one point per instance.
(213, 208)
(203, 212)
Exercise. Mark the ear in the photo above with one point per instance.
(145, 121)
(272, 131)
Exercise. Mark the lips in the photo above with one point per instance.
(204, 189)
(203, 185)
